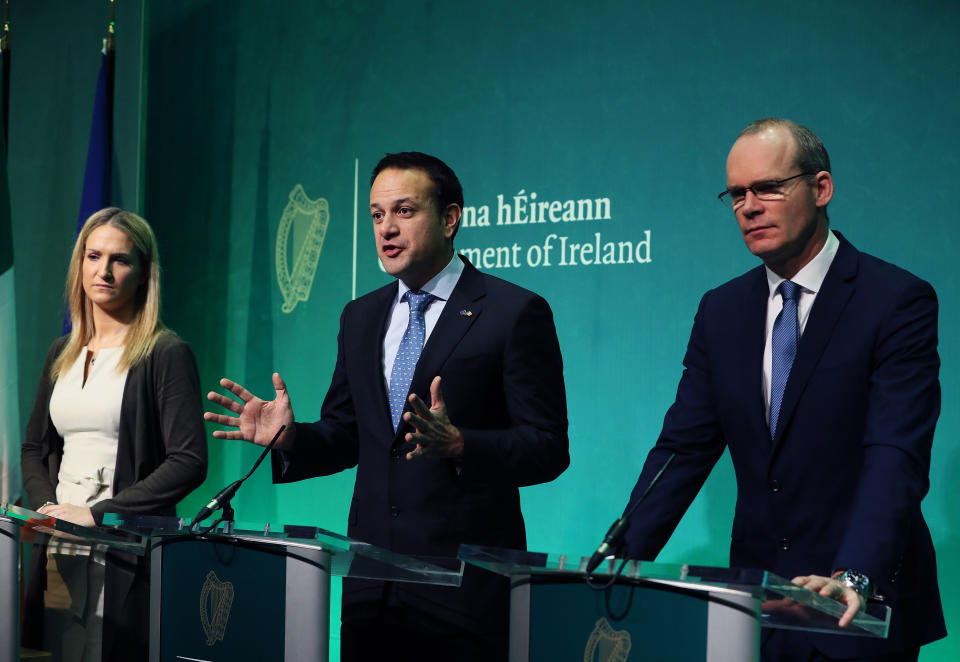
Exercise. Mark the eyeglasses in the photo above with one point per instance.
(771, 189)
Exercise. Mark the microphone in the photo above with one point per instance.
(216, 503)
(224, 495)
(618, 529)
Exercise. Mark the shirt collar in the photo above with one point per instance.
(440, 286)
(811, 276)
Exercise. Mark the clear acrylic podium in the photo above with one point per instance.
(654, 611)
(20, 526)
(257, 592)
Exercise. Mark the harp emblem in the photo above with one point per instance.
(296, 280)
(606, 644)
(216, 598)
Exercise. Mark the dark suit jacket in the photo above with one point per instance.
(496, 349)
(841, 485)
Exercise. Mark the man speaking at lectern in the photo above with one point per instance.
(819, 371)
(447, 396)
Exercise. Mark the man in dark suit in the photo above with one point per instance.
(435, 467)
(819, 371)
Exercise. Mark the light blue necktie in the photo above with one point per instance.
(408, 353)
(786, 334)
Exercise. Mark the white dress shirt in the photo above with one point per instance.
(441, 287)
(810, 279)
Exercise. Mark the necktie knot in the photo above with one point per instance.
(789, 290)
(417, 300)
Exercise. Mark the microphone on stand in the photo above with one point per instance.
(216, 503)
(618, 529)
(223, 496)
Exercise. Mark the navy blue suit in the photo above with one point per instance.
(841, 485)
(495, 347)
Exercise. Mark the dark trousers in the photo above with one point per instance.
(399, 633)
(785, 646)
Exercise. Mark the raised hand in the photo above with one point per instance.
(435, 434)
(256, 420)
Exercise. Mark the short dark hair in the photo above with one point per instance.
(811, 156)
(446, 186)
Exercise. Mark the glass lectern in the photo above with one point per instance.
(670, 612)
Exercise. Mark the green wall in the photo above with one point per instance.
(636, 104)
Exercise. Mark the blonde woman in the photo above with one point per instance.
(117, 424)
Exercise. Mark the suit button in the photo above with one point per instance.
(395, 453)
(785, 544)
(775, 486)
(394, 511)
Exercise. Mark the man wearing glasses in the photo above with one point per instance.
(819, 371)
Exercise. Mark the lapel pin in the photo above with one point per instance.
(466, 313)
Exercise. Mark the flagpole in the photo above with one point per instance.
(5, 39)
(97, 175)
(111, 27)
(5, 50)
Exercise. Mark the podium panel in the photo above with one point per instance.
(241, 601)
(554, 619)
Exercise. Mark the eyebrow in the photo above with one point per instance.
(101, 251)
(760, 181)
(409, 201)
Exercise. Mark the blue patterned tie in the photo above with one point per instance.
(408, 353)
(786, 333)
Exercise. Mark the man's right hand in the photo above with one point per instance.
(257, 421)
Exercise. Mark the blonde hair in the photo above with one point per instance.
(146, 326)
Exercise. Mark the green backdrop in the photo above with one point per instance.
(617, 115)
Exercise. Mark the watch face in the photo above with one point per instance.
(855, 580)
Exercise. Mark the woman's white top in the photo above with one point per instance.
(87, 417)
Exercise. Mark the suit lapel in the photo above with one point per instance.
(373, 360)
(835, 292)
(752, 336)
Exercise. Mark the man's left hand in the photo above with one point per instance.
(435, 434)
(836, 590)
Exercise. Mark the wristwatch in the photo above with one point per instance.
(856, 580)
